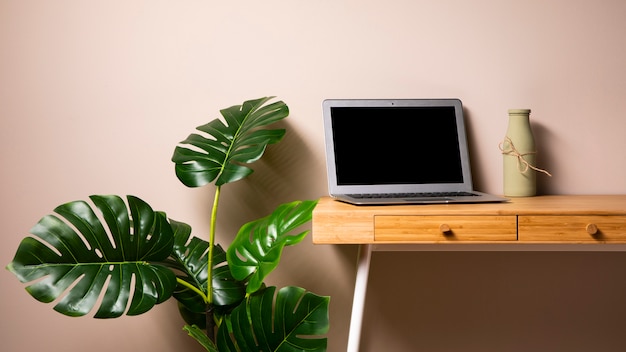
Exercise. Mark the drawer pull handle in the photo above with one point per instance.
(445, 229)
(592, 229)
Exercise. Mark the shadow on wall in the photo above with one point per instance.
(495, 301)
(546, 158)
(285, 173)
(475, 160)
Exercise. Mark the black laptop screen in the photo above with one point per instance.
(396, 145)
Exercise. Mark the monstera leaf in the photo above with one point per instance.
(199, 335)
(190, 258)
(74, 256)
(292, 321)
(257, 248)
(240, 140)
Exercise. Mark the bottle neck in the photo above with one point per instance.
(519, 120)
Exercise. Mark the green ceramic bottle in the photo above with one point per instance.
(518, 150)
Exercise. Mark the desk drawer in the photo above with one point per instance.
(577, 228)
(429, 228)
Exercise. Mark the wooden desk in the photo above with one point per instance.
(556, 223)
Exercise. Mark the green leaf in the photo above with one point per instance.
(191, 259)
(256, 250)
(225, 149)
(201, 337)
(295, 322)
(74, 257)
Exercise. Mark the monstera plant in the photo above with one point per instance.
(117, 256)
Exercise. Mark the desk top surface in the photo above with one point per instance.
(538, 205)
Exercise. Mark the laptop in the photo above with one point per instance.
(398, 151)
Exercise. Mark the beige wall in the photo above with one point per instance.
(94, 95)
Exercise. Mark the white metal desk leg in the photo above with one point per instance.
(358, 302)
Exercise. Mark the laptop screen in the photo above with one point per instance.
(396, 145)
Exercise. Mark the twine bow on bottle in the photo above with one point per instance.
(522, 164)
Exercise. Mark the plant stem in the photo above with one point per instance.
(209, 283)
(210, 322)
(193, 288)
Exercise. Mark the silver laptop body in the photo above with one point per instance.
(398, 151)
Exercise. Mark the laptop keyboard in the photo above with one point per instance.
(414, 195)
